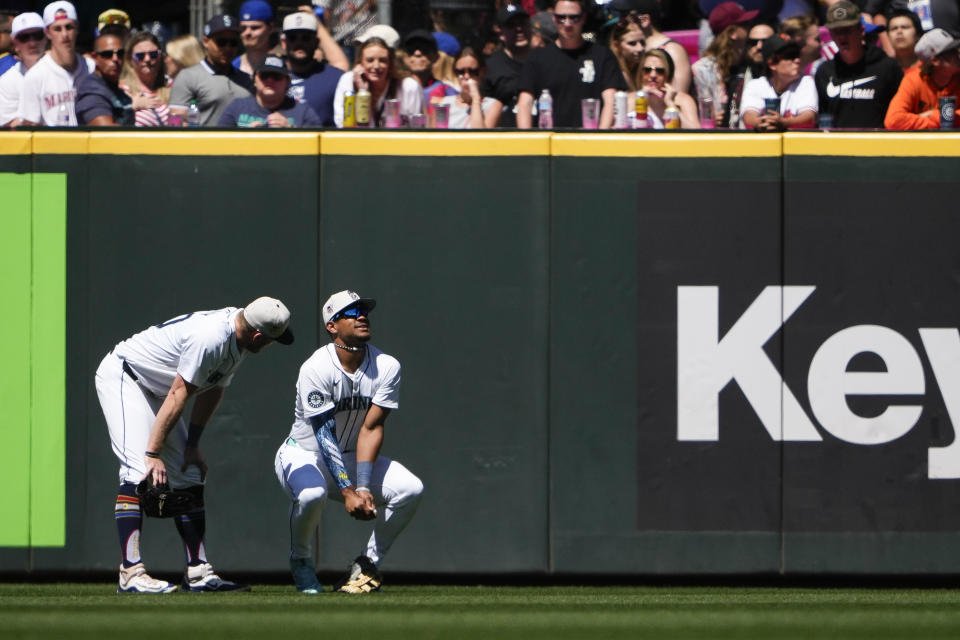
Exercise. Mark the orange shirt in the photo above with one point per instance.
(916, 95)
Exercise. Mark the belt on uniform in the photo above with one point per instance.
(129, 371)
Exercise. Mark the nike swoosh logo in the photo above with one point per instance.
(833, 90)
(336, 382)
(861, 81)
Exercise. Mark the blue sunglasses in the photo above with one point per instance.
(354, 312)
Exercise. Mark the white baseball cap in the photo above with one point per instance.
(270, 317)
(26, 22)
(59, 10)
(341, 300)
(383, 31)
(934, 43)
(301, 21)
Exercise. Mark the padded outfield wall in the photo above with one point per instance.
(656, 354)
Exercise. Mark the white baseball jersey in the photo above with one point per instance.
(200, 346)
(800, 96)
(324, 385)
(10, 84)
(46, 86)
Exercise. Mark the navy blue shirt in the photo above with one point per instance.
(247, 112)
(317, 89)
(97, 98)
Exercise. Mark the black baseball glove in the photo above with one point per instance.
(160, 501)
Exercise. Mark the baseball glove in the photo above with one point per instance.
(160, 501)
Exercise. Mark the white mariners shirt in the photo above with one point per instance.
(46, 86)
(324, 385)
(800, 96)
(10, 84)
(200, 346)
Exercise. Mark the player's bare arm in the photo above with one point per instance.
(203, 409)
(170, 411)
(369, 441)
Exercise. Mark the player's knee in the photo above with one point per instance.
(312, 497)
(411, 491)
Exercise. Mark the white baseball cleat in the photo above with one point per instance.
(304, 576)
(135, 580)
(202, 578)
(363, 577)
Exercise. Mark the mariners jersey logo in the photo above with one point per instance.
(315, 399)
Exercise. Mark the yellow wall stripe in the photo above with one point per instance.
(875, 145)
(211, 143)
(667, 145)
(15, 143)
(460, 143)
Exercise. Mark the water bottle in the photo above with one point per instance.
(63, 115)
(545, 107)
(193, 114)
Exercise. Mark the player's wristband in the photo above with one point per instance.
(194, 431)
(364, 471)
(359, 489)
(151, 454)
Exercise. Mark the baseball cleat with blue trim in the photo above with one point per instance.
(135, 580)
(304, 576)
(362, 578)
(201, 578)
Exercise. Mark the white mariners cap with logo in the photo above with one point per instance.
(300, 21)
(270, 317)
(26, 22)
(341, 300)
(60, 10)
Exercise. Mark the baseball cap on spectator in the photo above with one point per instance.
(341, 300)
(301, 21)
(270, 317)
(273, 64)
(641, 7)
(446, 43)
(219, 23)
(779, 45)
(842, 14)
(26, 22)
(728, 13)
(419, 39)
(383, 31)
(256, 10)
(59, 10)
(509, 11)
(934, 43)
(113, 16)
(543, 23)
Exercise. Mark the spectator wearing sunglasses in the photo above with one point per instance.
(571, 69)
(420, 53)
(100, 100)
(213, 83)
(49, 92)
(648, 14)
(312, 82)
(270, 106)
(656, 75)
(468, 108)
(144, 80)
(503, 66)
(28, 42)
(784, 80)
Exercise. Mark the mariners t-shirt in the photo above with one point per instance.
(201, 347)
(323, 385)
(247, 112)
(858, 95)
(47, 86)
(317, 89)
(570, 75)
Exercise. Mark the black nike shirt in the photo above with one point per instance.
(857, 95)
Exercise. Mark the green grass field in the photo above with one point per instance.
(276, 613)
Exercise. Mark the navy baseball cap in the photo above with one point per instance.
(273, 64)
(420, 39)
(221, 22)
(510, 11)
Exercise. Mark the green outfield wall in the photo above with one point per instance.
(648, 354)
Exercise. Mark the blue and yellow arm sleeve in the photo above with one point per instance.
(324, 426)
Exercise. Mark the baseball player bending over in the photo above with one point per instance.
(143, 386)
(345, 391)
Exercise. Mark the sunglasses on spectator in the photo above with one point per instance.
(227, 42)
(661, 70)
(354, 312)
(276, 77)
(752, 42)
(473, 71)
(140, 56)
(568, 17)
(298, 35)
(106, 54)
(26, 36)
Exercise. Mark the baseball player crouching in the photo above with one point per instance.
(143, 386)
(345, 392)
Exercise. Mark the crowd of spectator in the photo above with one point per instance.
(869, 64)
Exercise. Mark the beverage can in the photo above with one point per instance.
(825, 120)
(441, 116)
(349, 109)
(363, 108)
(948, 109)
(771, 104)
(391, 113)
(640, 104)
(620, 110)
(589, 113)
(671, 118)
